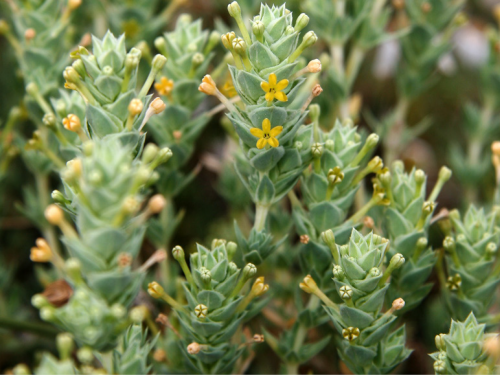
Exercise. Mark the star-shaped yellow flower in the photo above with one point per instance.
(274, 89)
(165, 86)
(267, 135)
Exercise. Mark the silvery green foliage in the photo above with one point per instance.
(407, 232)
(472, 255)
(422, 47)
(42, 58)
(109, 80)
(132, 355)
(103, 199)
(216, 286)
(50, 365)
(189, 52)
(273, 171)
(328, 202)
(370, 345)
(461, 351)
(89, 317)
(359, 22)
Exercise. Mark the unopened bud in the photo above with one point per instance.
(258, 28)
(338, 272)
(135, 107)
(234, 9)
(201, 311)
(328, 237)
(208, 85)
(345, 292)
(193, 348)
(398, 304)
(317, 90)
(156, 203)
(239, 46)
(178, 253)
(158, 62)
(397, 261)
(314, 66)
(249, 271)
(157, 106)
(301, 22)
(29, 34)
(72, 122)
(155, 290)
(309, 39)
(54, 214)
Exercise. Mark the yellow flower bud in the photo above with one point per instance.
(155, 290)
(135, 107)
(156, 203)
(208, 86)
(157, 106)
(259, 288)
(29, 34)
(309, 285)
(72, 123)
(314, 66)
(193, 348)
(54, 214)
(42, 252)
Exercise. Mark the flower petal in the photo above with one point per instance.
(273, 142)
(281, 84)
(266, 125)
(265, 86)
(261, 143)
(276, 131)
(256, 132)
(270, 96)
(281, 96)
(272, 79)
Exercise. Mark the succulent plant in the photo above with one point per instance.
(406, 221)
(462, 350)
(132, 356)
(471, 262)
(360, 276)
(217, 305)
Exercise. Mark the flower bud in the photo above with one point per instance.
(258, 338)
(449, 243)
(239, 46)
(330, 144)
(301, 22)
(158, 62)
(201, 311)
(71, 75)
(317, 150)
(178, 253)
(397, 261)
(422, 243)
(49, 120)
(258, 28)
(150, 153)
(328, 237)
(231, 248)
(345, 292)
(138, 313)
(193, 348)
(29, 34)
(156, 203)
(135, 107)
(155, 290)
(338, 272)
(376, 164)
(227, 40)
(304, 239)
(309, 39)
(444, 174)
(232, 268)
(259, 288)
(249, 271)
(314, 66)
(234, 9)
(398, 304)
(72, 123)
(440, 366)
(289, 30)
(335, 176)
(208, 86)
(85, 355)
(157, 106)
(42, 252)
(65, 344)
(308, 285)
(39, 301)
(197, 60)
(491, 248)
(54, 214)
(206, 275)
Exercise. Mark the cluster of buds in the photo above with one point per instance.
(407, 219)
(360, 278)
(216, 306)
(466, 349)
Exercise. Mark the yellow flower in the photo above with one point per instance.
(273, 89)
(165, 86)
(267, 135)
(228, 89)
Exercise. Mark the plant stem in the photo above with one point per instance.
(24, 326)
(260, 217)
